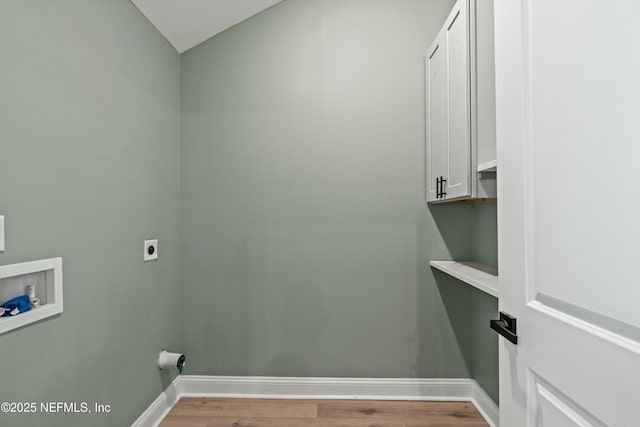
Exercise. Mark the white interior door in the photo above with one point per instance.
(568, 132)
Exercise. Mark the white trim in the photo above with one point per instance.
(159, 408)
(325, 388)
(485, 405)
(445, 389)
(588, 327)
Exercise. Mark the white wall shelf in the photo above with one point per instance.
(488, 166)
(46, 276)
(477, 275)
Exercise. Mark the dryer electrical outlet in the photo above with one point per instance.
(150, 250)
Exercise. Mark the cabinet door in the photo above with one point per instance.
(458, 174)
(437, 114)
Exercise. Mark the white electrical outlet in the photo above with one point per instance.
(1, 233)
(150, 250)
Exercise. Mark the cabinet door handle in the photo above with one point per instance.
(442, 187)
(437, 187)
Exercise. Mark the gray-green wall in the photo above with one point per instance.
(484, 306)
(305, 237)
(89, 168)
(480, 226)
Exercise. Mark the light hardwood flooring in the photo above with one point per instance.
(208, 412)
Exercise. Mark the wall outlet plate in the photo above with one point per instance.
(150, 250)
(1, 233)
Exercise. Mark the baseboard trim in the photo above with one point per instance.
(159, 408)
(485, 405)
(325, 388)
(460, 389)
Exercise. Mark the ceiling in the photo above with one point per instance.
(187, 23)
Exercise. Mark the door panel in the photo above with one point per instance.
(459, 154)
(437, 114)
(584, 121)
(555, 409)
(567, 100)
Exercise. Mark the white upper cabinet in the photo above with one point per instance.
(438, 116)
(460, 105)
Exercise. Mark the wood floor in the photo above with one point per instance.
(206, 412)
